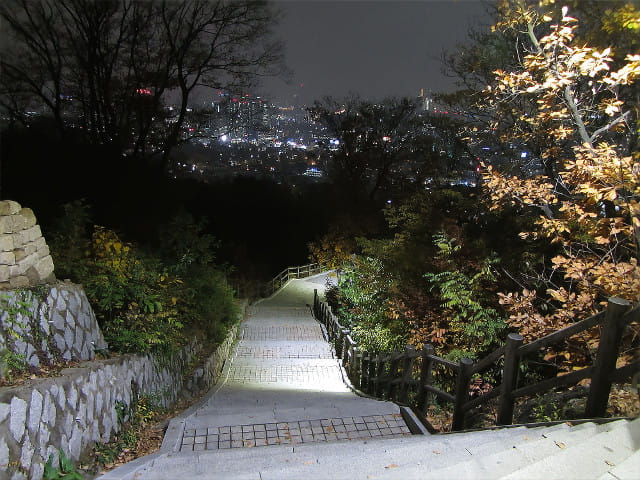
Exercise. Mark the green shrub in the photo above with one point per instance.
(146, 300)
(476, 326)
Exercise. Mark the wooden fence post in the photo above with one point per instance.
(426, 373)
(407, 372)
(373, 370)
(356, 366)
(364, 377)
(509, 378)
(345, 346)
(315, 302)
(462, 393)
(338, 342)
(605, 363)
(394, 361)
(380, 374)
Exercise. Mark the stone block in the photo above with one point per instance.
(20, 281)
(6, 224)
(7, 258)
(74, 302)
(43, 322)
(37, 467)
(33, 233)
(6, 242)
(69, 337)
(45, 266)
(32, 358)
(59, 341)
(75, 443)
(19, 238)
(22, 265)
(58, 320)
(25, 250)
(44, 251)
(35, 411)
(42, 269)
(27, 453)
(18, 223)
(17, 418)
(40, 243)
(70, 321)
(72, 397)
(61, 304)
(4, 273)
(9, 207)
(43, 437)
(28, 217)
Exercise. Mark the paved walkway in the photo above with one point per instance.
(282, 386)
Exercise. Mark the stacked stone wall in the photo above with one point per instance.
(79, 408)
(24, 255)
(49, 323)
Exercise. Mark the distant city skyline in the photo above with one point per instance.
(373, 48)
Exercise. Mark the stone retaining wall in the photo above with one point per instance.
(78, 408)
(24, 254)
(59, 325)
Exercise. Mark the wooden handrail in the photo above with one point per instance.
(289, 273)
(562, 334)
(392, 374)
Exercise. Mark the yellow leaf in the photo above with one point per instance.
(392, 465)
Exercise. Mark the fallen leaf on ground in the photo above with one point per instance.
(560, 444)
(437, 452)
(611, 464)
(392, 465)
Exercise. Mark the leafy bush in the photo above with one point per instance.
(135, 296)
(143, 300)
(362, 301)
(475, 326)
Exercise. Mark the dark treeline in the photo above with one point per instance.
(262, 226)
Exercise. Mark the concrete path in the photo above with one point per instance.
(282, 386)
(283, 411)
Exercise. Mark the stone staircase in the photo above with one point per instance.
(284, 412)
(585, 451)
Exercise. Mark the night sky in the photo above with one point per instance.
(373, 48)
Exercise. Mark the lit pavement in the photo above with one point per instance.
(282, 387)
(283, 412)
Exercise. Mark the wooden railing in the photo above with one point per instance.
(287, 274)
(407, 376)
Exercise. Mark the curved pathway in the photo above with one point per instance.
(282, 387)
(283, 393)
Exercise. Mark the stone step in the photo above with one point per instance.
(627, 470)
(531, 446)
(596, 454)
(408, 457)
(537, 439)
(283, 349)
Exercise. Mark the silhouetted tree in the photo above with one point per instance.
(108, 66)
(383, 144)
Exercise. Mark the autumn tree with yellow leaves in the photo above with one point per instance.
(576, 106)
